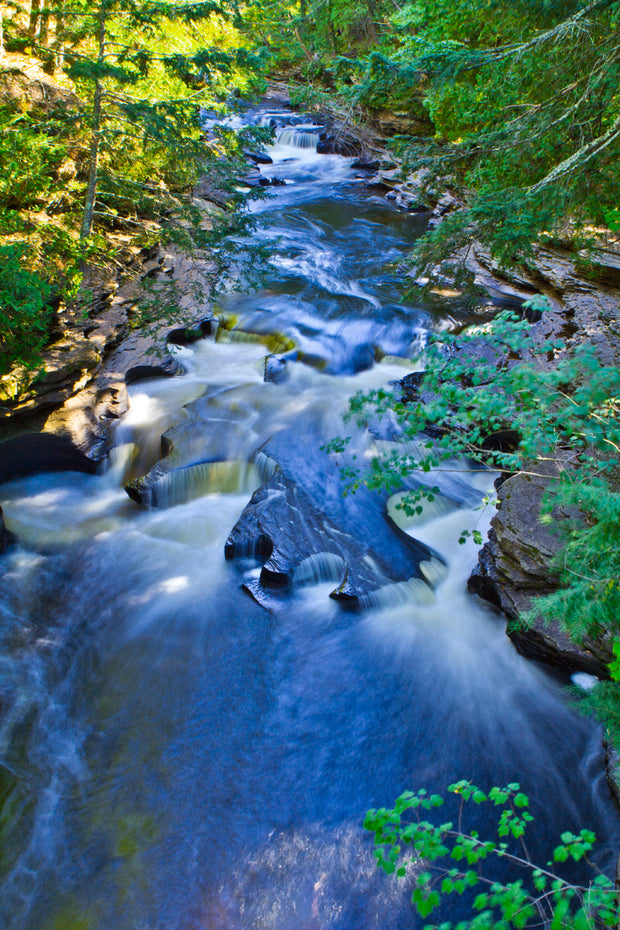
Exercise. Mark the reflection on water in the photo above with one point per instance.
(174, 756)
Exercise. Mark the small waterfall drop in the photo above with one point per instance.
(299, 137)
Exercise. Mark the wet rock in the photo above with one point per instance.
(187, 335)
(333, 142)
(253, 179)
(406, 191)
(282, 523)
(548, 643)
(195, 461)
(33, 453)
(516, 565)
(276, 369)
(6, 537)
(387, 178)
(366, 164)
(165, 368)
(258, 158)
(410, 203)
(410, 390)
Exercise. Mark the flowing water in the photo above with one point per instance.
(174, 756)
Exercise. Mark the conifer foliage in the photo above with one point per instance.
(119, 142)
(524, 100)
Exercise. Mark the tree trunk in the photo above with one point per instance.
(34, 23)
(44, 33)
(59, 38)
(330, 27)
(95, 137)
(371, 21)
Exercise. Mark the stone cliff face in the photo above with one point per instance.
(517, 562)
(80, 387)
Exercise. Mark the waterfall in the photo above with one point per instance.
(185, 484)
(298, 138)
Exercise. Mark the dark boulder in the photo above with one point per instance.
(282, 524)
(6, 537)
(338, 143)
(366, 164)
(165, 368)
(187, 335)
(33, 453)
(516, 565)
(258, 158)
(251, 179)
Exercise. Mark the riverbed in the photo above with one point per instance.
(184, 747)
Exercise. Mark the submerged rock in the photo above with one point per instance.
(276, 369)
(34, 453)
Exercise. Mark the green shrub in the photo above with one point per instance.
(25, 311)
(446, 859)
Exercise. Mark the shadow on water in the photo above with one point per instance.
(174, 756)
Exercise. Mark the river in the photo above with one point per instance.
(173, 754)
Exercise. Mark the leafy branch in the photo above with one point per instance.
(407, 845)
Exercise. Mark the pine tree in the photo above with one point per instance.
(524, 100)
(124, 145)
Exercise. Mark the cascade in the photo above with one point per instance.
(298, 138)
(177, 753)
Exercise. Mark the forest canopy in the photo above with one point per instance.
(522, 100)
